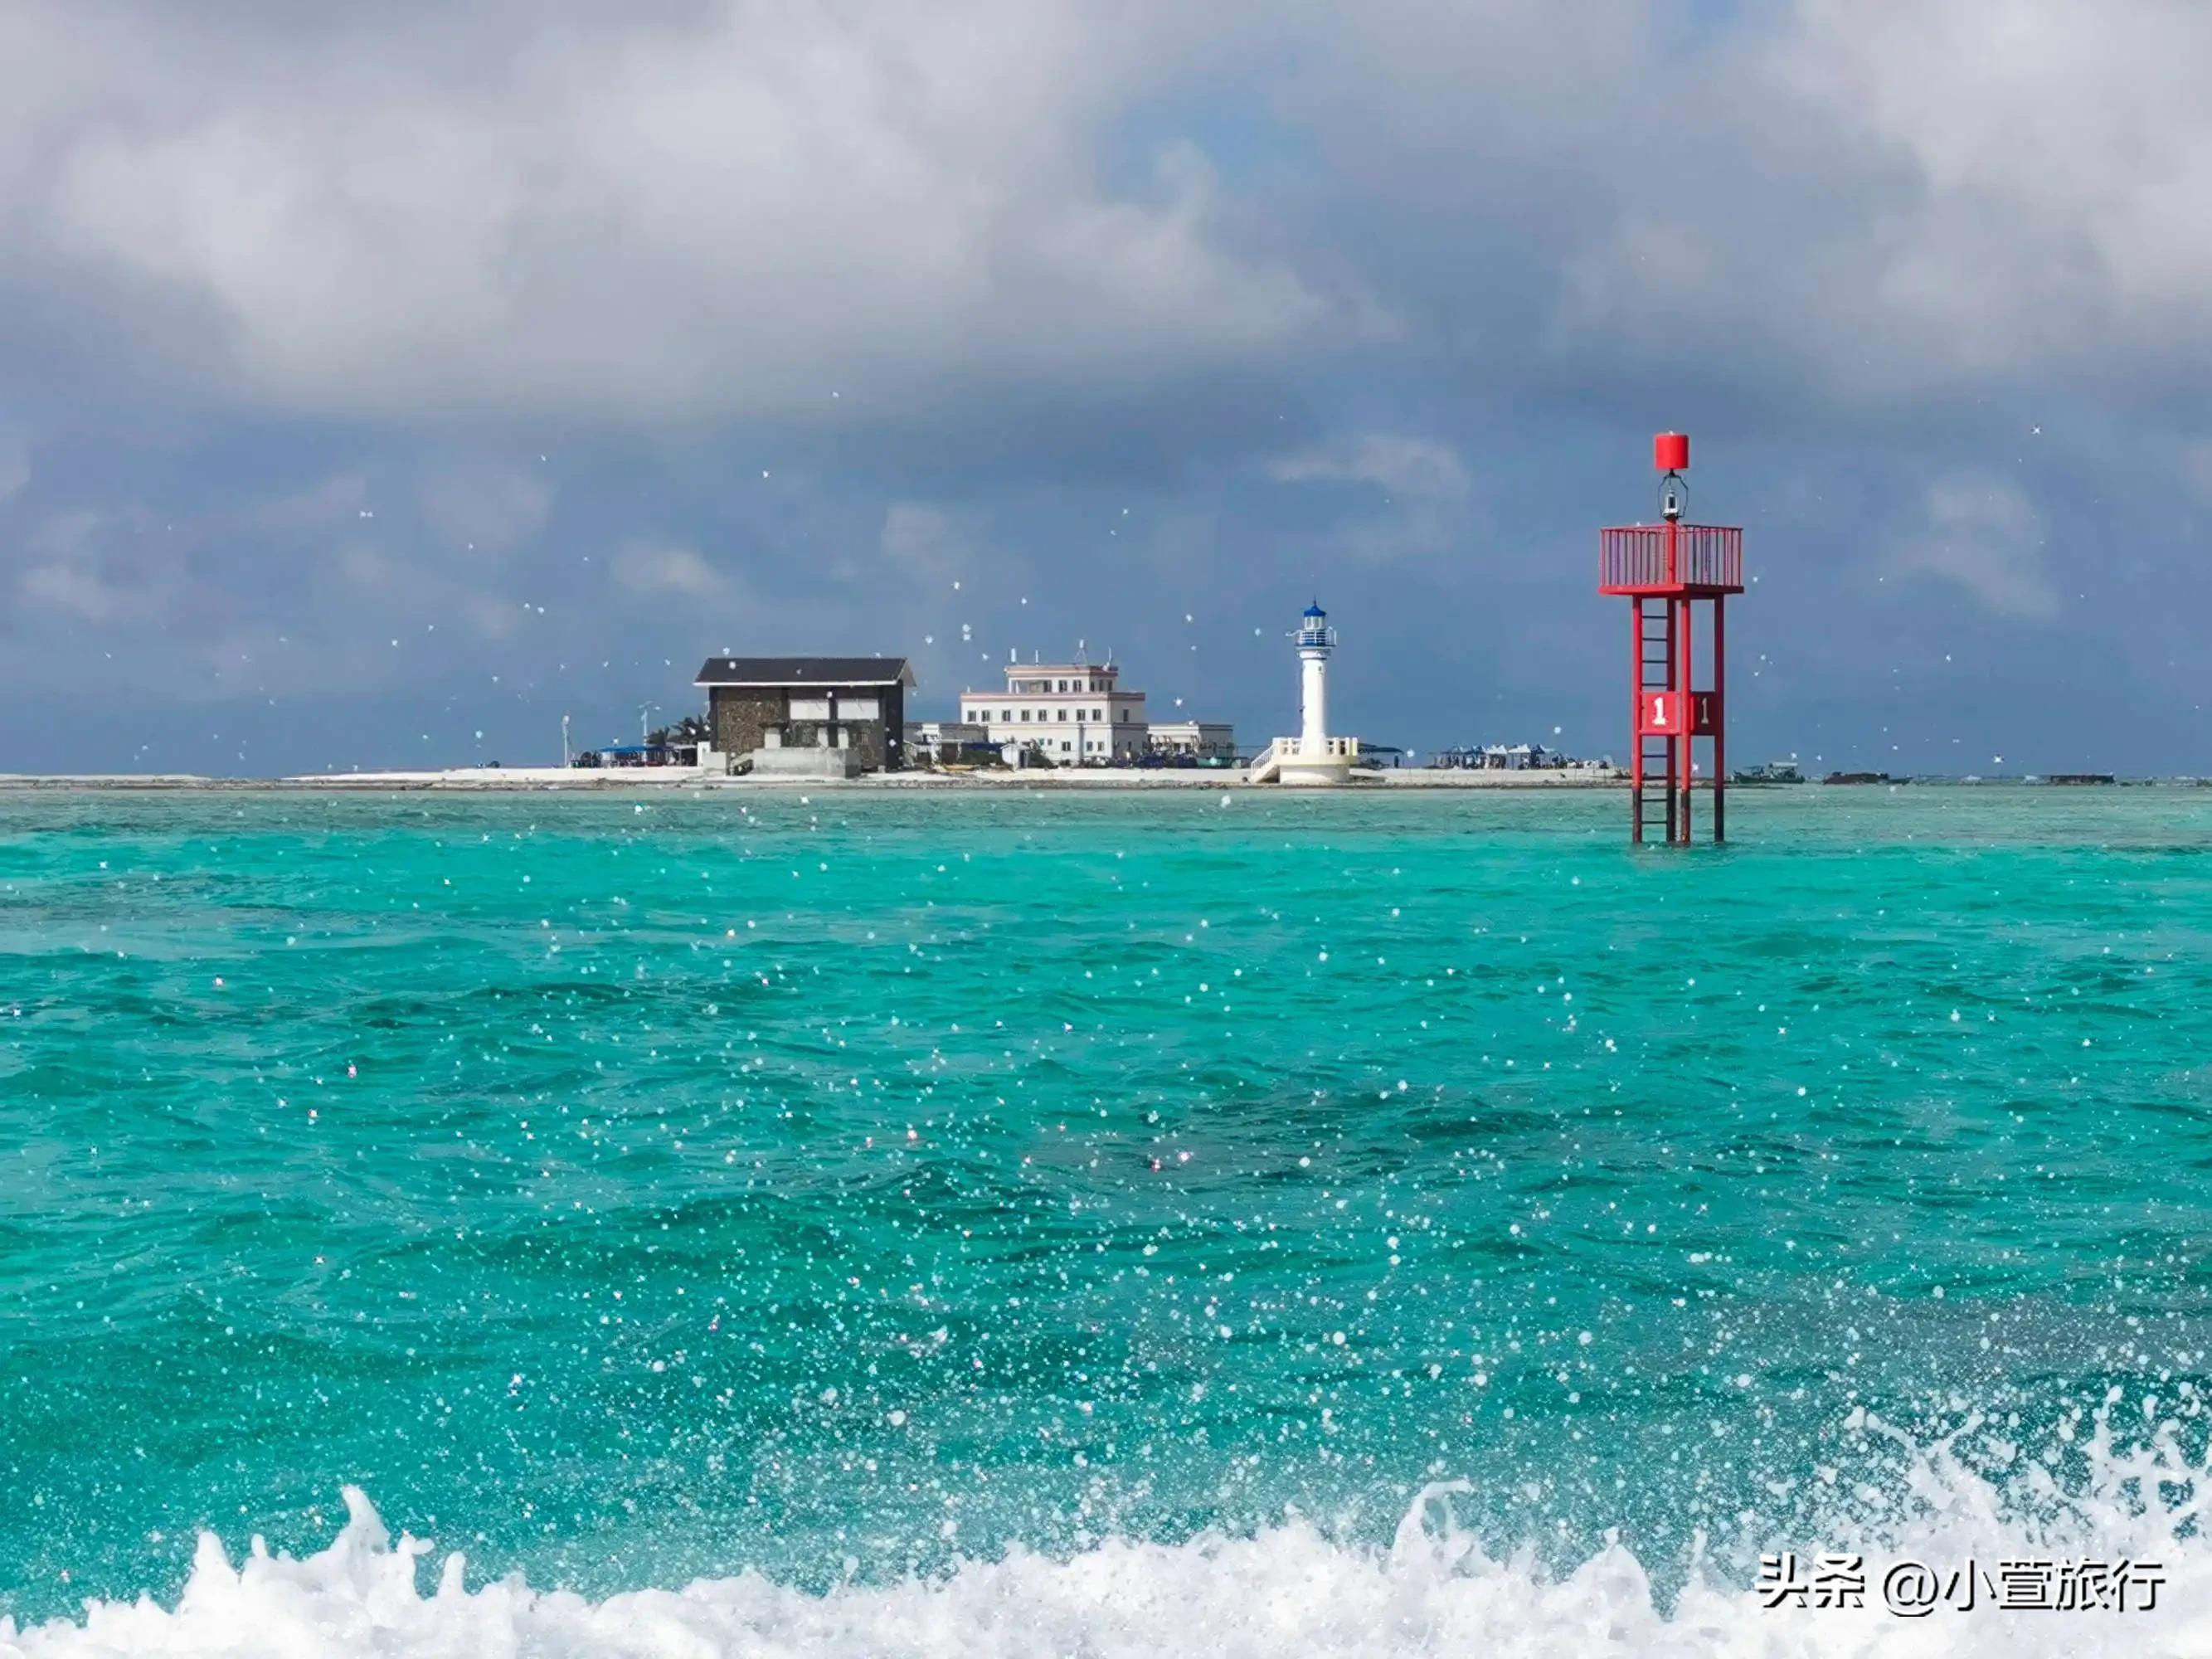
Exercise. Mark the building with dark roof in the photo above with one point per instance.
(853, 703)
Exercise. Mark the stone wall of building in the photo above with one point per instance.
(740, 719)
(741, 716)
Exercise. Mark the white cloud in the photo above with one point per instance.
(290, 591)
(650, 568)
(925, 541)
(2197, 467)
(73, 589)
(2077, 133)
(1853, 200)
(732, 206)
(1423, 483)
(1986, 536)
(491, 509)
(99, 565)
(15, 463)
(1414, 468)
(335, 502)
(743, 208)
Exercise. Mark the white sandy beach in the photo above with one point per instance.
(574, 779)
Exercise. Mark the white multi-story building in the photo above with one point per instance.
(1207, 739)
(1074, 713)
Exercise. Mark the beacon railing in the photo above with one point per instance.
(1705, 556)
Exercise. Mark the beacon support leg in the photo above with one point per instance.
(1673, 743)
(1720, 717)
(1685, 680)
(1636, 721)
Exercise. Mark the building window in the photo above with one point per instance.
(1064, 745)
(858, 708)
(809, 708)
(1063, 714)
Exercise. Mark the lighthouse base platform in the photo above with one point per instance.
(1288, 761)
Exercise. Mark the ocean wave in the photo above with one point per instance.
(1288, 1590)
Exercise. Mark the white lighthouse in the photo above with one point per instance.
(1316, 641)
(1313, 757)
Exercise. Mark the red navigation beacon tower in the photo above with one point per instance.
(1665, 570)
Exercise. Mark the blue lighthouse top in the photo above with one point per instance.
(1314, 631)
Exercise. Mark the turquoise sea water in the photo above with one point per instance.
(626, 1191)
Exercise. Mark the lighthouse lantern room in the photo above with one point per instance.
(1666, 571)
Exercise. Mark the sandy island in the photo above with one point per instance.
(558, 778)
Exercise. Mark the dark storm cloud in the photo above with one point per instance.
(369, 381)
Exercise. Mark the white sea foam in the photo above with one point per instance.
(1288, 1591)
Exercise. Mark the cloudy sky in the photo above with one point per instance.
(378, 384)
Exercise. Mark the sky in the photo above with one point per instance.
(379, 385)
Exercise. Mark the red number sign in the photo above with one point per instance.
(1678, 713)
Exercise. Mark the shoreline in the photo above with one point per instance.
(570, 780)
(558, 781)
